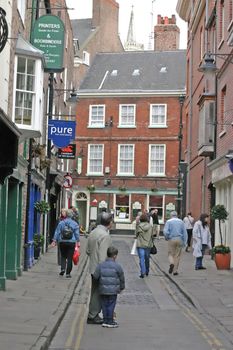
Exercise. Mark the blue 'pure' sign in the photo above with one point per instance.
(61, 132)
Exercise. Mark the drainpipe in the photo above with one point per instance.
(189, 153)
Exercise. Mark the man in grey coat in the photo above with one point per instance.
(98, 242)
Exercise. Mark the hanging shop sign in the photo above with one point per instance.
(48, 36)
(68, 181)
(67, 152)
(61, 132)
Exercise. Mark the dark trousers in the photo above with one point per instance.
(108, 303)
(190, 234)
(200, 258)
(67, 252)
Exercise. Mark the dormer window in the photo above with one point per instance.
(114, 73)
(163, 70)
(136, 72)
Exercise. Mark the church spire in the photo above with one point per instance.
(131, 44)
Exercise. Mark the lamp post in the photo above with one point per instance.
(180, 138)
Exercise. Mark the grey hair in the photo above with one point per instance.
(173, 214)
(105, 218)
(69, 213)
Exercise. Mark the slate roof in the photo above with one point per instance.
(165, 70)
(82, 29)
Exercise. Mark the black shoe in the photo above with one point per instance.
(175, 274)
(62, 273)
(141, 276)
(171, 268)
(147, 273)
(202, 268)
(68, 275)
(96, 320)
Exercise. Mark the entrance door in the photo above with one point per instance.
(81, 204)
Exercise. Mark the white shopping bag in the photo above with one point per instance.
(134, 248)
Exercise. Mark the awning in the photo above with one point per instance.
(9, 138)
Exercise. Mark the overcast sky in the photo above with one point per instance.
(142, 16)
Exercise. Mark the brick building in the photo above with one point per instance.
(209, 107)
(127, 135)
(96, 34)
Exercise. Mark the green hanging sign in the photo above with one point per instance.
(48, 36)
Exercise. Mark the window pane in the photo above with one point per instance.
(30, 67)
(30, 83)
(97, 116)
(157, 159)
(18, 115)
(126, 159)
(95, 158)
(21, 65)
(20, 84)
(158, 115)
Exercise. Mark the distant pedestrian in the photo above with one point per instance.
(63, 214)
(75, 214)
(201, 240)
(111, 281)
(189, 223)
(99, 241)
(66, 234)
(155, 222)
(144, 237)
(176, 235)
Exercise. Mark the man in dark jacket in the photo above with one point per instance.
(111, 280)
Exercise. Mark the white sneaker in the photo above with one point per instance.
(110, 325)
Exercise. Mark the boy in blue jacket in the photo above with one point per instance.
(111, 279)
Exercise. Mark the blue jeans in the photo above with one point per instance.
(108, 303)
(144, 260)
(200, 258)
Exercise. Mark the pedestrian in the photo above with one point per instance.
(189, 223)
(176, 235)
(75, 214)
(66, 234)
(111, 281)
(144, 236)
(63, 214)
(201, 240)
(155, 222)
(98, 242)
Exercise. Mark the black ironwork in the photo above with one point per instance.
(3, 29)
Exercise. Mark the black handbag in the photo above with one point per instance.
(153, 249)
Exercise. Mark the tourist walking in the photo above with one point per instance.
(66, 235)
(201, 240)
(99, 241)
(176, 235)
(111, 281)
(189, 223)
(144, 237)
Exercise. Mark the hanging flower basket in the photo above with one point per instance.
(91, 188)
(122, 188)
(42, 207)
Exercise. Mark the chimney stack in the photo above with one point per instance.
(166, 34)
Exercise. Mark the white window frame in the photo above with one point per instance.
(89, 172)
(21, 5)
(158, 125)
(118, 162)
(121, 125)
(116, 218)
(150, 173)
(100, 125)
(37, 105)
(162, 220)
(86, 58)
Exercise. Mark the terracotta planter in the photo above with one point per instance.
(223, 261)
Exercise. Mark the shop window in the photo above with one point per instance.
(122, 207)
(158, 203)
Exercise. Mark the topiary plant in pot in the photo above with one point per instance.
(38, 241)
(221, 252)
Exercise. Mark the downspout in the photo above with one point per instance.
(189, 153)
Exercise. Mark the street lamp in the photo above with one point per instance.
(180, 137)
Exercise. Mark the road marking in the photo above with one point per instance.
(71, 336)
(210, 338)
(80, 330)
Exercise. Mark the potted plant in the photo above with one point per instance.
(122, 188)
(42, 207)
(221, 252)
(38, 241)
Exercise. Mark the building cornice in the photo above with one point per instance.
(149, 93)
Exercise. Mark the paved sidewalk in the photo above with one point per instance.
(32, 306)
(210, 290)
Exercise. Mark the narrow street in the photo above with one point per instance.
(152, 314)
